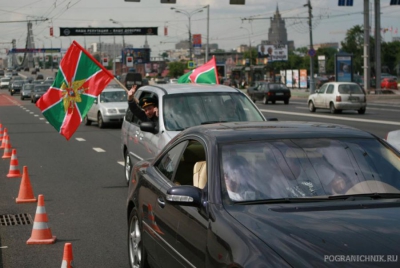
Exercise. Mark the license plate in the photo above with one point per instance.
(354, 99)
(279, 93)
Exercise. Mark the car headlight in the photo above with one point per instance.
(112, 111)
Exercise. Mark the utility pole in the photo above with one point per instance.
(367, 73)
(312, 84)
(377, 47)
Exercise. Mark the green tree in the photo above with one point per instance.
(252, 55)
(164, 55)
(354, 44)
(176, 69)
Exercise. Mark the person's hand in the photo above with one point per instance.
(132, 92)
(156, 111)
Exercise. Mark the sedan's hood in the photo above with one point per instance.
(115, 105)
(305, 234)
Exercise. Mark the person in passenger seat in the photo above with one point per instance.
(146, 109)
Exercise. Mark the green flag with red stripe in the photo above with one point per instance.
(80, 79)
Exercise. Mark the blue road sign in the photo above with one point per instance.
(312, 52)
(394, 2)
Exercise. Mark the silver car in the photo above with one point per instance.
(26, 91)
(181, 106)
(338, 96)
(109, 107)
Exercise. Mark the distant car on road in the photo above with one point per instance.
(37, 92)
(108, 108)
(5, 82)
(26, 91)
(269, 92)
(338, 96)
(389, 83)
(16, 86)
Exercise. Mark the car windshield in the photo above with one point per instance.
(113, 96)
(304, 168)
(350, 89)
(28, 87)
(41, 88)
(5, 80)
(181, 111)
(277, 86)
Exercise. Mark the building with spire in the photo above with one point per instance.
(146, 44)
(277, 33)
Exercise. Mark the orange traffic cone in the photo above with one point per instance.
(14, 170)
(3, 142)
(25, 194)
(41, 233)
(7, 148)
(1, 132)
(152, 219)
(68, 260)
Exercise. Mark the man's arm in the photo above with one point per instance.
(134, 107)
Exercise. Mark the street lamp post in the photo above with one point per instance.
(189, 16)
(250, 79)
(123, 36)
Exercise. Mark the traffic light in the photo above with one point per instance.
(237, 2)
(345, 3)
(394, 2)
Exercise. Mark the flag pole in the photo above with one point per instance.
(122, 85)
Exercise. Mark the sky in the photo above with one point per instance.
(230, 25)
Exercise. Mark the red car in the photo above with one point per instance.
(389, 83)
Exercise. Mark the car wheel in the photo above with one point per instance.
(361, 111)
(22, 98)
(265, 100)
(88, 122)
(100, 121)
(311, 107)
(273, 102)
(128, 167)
(286, 101)
(332, 108)
(11, 93)
(137, 253)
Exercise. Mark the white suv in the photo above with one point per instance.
(181, 106)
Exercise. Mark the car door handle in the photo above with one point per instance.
(161, 202)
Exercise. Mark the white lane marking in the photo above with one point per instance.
(4, 247)
(36, 115)
(99, 150)
(334, 117)
(368, 108)
(31, 112)
(122, 163)
(80, 139)
(41, 118)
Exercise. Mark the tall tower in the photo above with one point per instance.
(277, 33)
(146, 44)
(30, 43)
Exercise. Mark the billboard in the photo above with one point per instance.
(91, 31)
(139, 55)
(273, 52)
(343, 67)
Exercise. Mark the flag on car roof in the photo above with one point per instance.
(80, 79)
(205, 74)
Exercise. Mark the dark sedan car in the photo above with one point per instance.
(38, 92)
(16, 86)
(266, 91)
(265, 194)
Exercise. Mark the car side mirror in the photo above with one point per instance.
(95, 101)
(185, 195)
(148, 127)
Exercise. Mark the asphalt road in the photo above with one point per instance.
(83, 187)
(83, 183)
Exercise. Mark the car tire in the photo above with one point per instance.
(100, 121)
(332, 108)
(11, 93)
(361, 111)
(136, 251)
(311, 107)
(265, 100)
(22, 98)
(128, 167)
(87, 121)
(286, 102)
(273, 102)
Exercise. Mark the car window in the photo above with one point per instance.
(308, 168)
(181, 111)
(113, 96)
(323, 88)
(169, 162)
(350, 89)
(277, 86)
(330, 89)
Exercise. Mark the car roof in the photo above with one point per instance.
(250, 131)
(113, 88)
(190, 88)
